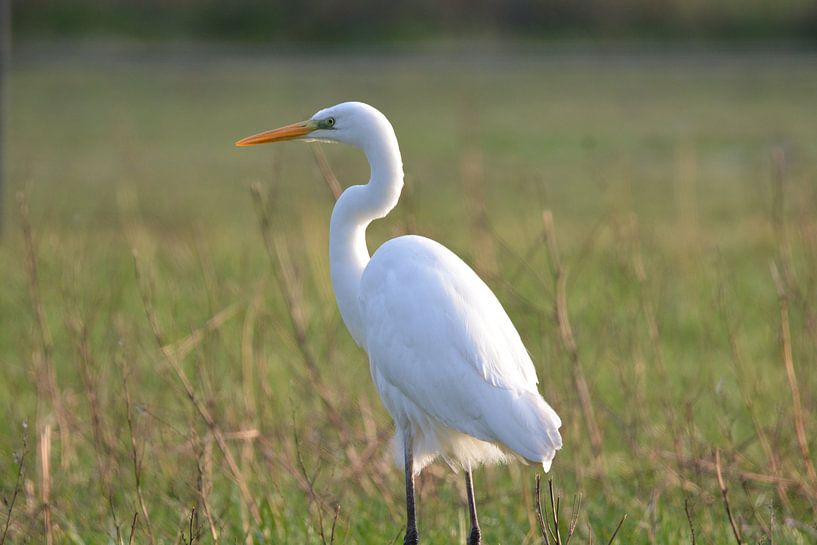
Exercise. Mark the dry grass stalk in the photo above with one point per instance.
(648, 310)
(44, 370)
(788, 362)
(784, 247)
(523, 260)
(201, 408)
(549, 528)
(789, 290)
(190, 523)
(204, 482)
(767, 532)
(116, 526)
(331, 539)
(136, 459)
(103, 444)
(688, 512)
(615, 532)
(17, 487)
(132, 536)
(566, 334)
(275, 456)
(369, 425)
(45, 481)
(315, 499)
(334, 524)
(748, 400)
(526, 493)
(327, 173)
(753, 476)
(554, 511)
(544, 528)
(250, 407)
(784, 250)
(471, 174)
(371, 474)
(725, 494)
(248, 357)
(183, 347)
(206, 265)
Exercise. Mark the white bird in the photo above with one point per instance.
(448, 363)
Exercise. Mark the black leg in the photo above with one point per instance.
(412, 537)
(475, 538)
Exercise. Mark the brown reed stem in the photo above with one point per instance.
(568, 340)
(334, 524)
(203, 452)
(549, 524)
(184, 346)
(740, 373)
(554, 511)
(784, 248)
(132, 535)
(471, 175)
(203, 463)
(42, 360)
(540, 517)
(574, 518)
(615, 532)
(327, 173)
(688, 512)
(725, 494)
(136, 460)
(709, 466)
(45, 481)
(794, 388)
(248, 357)
(17, 487)
(760, 522)
(103, 445)
(648, 310)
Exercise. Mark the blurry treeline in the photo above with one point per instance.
(332, 21)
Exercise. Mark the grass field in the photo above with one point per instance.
(169, 359)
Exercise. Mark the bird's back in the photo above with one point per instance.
(439, 341)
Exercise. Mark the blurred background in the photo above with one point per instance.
(418, 21)
(637, 181)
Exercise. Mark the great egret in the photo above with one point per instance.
(448, 363)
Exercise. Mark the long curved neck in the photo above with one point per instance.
(356, 208)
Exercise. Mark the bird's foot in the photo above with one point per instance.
(412, 537)
(476, 536)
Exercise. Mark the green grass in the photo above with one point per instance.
(666, 158)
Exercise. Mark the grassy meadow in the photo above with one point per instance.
(174, 369)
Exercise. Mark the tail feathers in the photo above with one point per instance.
(527, 425)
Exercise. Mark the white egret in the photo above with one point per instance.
(448, 363)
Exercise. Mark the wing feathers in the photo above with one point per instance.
(438, 334)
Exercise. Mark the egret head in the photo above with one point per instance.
(352, 123)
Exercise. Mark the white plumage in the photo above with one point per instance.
(448, 363)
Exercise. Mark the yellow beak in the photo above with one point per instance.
(288, 132)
